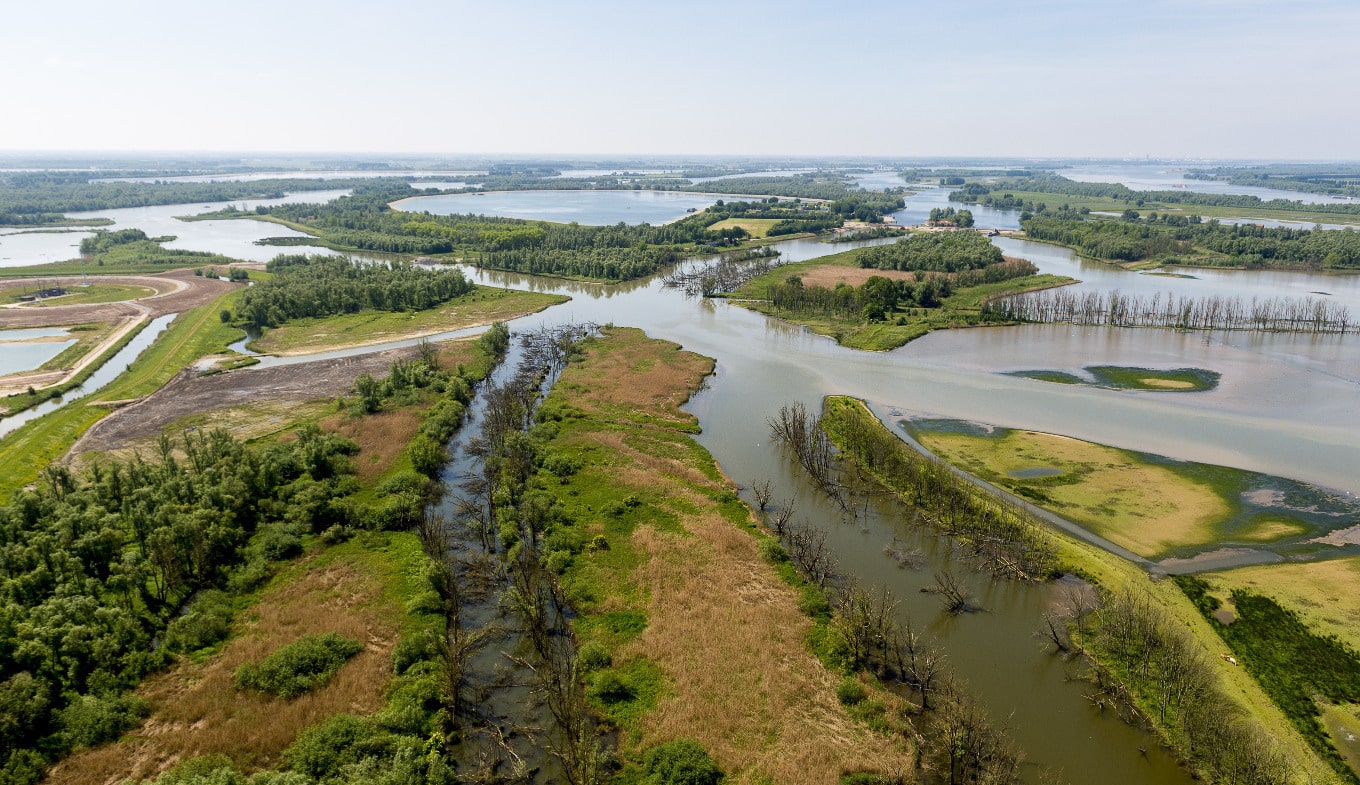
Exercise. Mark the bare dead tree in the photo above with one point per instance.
(954, 594)
(762, 491)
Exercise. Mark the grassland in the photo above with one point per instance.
(756, 227)
(1323, 593)
(705, 636)
(1149, 505)
(483, 305)
(961, 309)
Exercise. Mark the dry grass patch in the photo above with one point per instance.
(756, 227)
(197, 711)
(1145, 508)
(637, 378)
(1323, 593)
(828, 275)
(729, 636)
(381, 438)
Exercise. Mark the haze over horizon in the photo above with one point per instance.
(1219, 79)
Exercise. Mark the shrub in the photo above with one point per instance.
(207, 622)
(299, 667)
(850, 691)
(277, 544)
(680, 762)
(88, 720)
(413, 649)
(610, 687)
(772, 552)
(594, 655)
(322, 749)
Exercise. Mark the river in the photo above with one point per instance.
(1287, 405)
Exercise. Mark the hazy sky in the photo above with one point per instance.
(1171, 78)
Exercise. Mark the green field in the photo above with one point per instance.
(756, 227)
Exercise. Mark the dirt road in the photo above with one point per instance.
(176, 291)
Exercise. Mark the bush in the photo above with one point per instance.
(850, 691)
(772, 552)
(680, 762)
(299, 667)
(322, 749)
(413, 649)
(207, 622)
(248, 576)
(594, 656)
(427, 455)
(88, 720)
(610, 687)
(277, 544)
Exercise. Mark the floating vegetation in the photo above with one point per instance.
(1119, 377)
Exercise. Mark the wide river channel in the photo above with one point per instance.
(1287, 405)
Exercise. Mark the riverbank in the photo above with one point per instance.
(704, 640)
(1117, 576)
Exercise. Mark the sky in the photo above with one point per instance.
(1046, 78)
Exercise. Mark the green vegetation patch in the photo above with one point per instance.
(902, 303)
(298, 667)
(1295, 666)
(1119, 377)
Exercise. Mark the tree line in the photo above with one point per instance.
(42, 197)
(1177, 239)
(1055, 184)
(1113, 309)
(317, 286)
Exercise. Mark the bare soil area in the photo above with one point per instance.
(176, 291)
(192, 393)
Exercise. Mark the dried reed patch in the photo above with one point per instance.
(197, 711)
(381, 438)
(730, 638)
(638, 376)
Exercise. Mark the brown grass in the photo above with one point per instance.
(730, 638)
(381, 437)
(724, 629)
(196, 710)
(638, 377)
